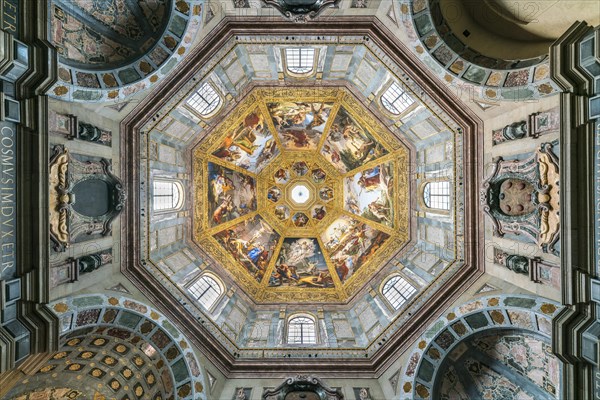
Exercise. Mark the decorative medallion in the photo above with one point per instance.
(521, 197)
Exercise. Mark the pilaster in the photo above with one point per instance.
(28, 330)
(576, 330)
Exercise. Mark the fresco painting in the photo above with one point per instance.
(231, 195)
(250, 145)
(350, 244)
(318, 175)
(348, 145)
(282, 213)
(310, 210)
(300, 263)
(370, 194)
(318, 212)
(274, 194)
(251, 243)
(299, 125)
(282, 176)
(326, 194)
(300, 168)
(300, 220)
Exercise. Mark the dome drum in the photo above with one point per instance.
(240, 224)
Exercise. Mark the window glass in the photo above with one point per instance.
(300, 60)
(437, 195)
(205, 101)
(396, 100)
(301, 330)
(206, 290)
(397, 291)
(166, 196)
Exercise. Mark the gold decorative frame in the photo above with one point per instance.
(397, 157)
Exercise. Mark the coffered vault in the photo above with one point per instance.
(303, 191)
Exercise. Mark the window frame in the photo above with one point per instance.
(427, 207)
(180, 199)
(398, 276)
(381, 100)
(314, 325)
(213, 111)
(219, 284)
(286, 66)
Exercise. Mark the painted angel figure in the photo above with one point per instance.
(221, 184)
(381, 210)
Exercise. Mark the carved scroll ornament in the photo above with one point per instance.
(67, 225)
(305, 384)
(522, 197)
(301, 10)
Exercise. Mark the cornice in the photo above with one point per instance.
(472, 131)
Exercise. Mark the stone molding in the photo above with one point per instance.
(571, 341)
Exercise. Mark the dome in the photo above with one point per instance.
(106, 45)
(303, 194)
(108, 34)
(307, 197)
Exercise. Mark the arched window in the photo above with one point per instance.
(395, 100)
(301, 330)
(167, 195)
(397, 291)
(206, 290)
(436, 195)
(300, 60)
(205, 101)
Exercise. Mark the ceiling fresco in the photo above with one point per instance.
(297, 195)
(307, 195)
(110, 49)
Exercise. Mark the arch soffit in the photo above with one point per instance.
(490, 79)
(90, 85)
(529, 313)
(90, 310)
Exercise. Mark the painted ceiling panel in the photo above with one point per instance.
(300, 189)
(300, 202)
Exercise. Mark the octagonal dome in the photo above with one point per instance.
(307, 195)
(238, 134)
